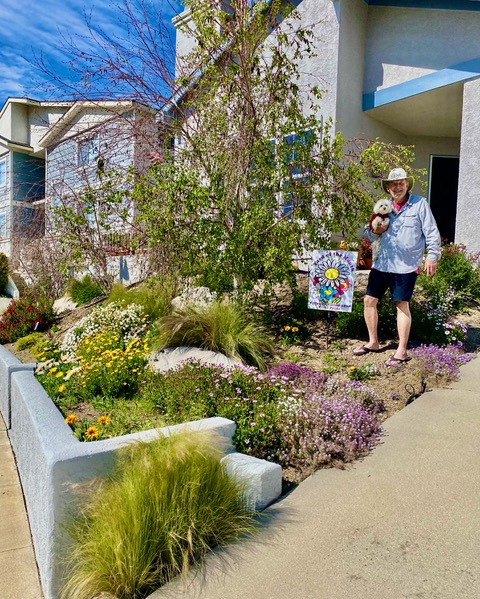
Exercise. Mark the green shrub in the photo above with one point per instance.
(29, 341)
(196, 391)
(352, 324)
(456, 282)
(23, 315)
(84, 291)
(166, 505)
(154, 295)
(3, 273)
(220, 326)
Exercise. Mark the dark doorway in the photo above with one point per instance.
(443, 193)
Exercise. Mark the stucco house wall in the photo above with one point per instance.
(468, 203)
(406, 43)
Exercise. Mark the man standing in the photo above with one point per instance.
(402, 243)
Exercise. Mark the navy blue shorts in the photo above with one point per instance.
(400, 285)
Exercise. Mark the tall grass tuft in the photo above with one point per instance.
(84, 291)
(220, 326)
(167, 504)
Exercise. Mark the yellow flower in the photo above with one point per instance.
(104, 419)
(352, 367)
(62, 388)
(70, 418)
(92, 432)
(294, 329)
(287, 328)
(59, 375)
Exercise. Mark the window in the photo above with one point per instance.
(88, 151)
(3, 172)
(3, 225)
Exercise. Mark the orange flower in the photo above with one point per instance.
(92, 432)
(70, 419)
(104, 419)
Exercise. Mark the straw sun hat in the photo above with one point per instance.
(395, 175)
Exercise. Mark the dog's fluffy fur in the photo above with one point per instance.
(381, 210)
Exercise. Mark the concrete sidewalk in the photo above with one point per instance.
(18, 569)
(404, 523)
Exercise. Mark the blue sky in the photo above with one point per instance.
(34, 26)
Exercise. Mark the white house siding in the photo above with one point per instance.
(185, 39)
(468, 203)
(41, 118)
(5, 208)
(322, 70)
(406, 43)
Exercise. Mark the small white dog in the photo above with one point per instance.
(381, 210)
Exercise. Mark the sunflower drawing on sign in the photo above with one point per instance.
(332, 277)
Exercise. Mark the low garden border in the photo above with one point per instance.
(52, 462)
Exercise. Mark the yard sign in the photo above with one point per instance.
(332, 277)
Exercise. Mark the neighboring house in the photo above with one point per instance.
(407, 72)
(89, 140)
(51, 152)
(23, 122)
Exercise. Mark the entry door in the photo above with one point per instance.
(443, 193)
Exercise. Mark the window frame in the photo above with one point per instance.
(3, 178)
(89, 157)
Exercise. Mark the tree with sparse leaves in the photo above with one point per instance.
(257, 177)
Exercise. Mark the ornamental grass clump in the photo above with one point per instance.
(165, 506)
(223, 327)
(440, 365)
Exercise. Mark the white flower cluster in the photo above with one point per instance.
(128, 321)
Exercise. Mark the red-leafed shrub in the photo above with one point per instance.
(33, 311)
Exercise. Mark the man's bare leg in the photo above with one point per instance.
(370, 314)
(404, 323)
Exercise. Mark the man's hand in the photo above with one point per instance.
(430, 267)
(380, 229)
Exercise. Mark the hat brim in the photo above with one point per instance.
(385, 182)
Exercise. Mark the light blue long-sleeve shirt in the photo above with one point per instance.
(402, 245)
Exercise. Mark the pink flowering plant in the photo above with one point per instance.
(290, 415)
(440, 365)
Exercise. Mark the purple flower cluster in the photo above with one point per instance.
(326, 430)
(442, 364)
(326, 420)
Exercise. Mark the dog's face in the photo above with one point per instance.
(383, 207)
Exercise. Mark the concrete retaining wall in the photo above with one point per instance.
(52, 462)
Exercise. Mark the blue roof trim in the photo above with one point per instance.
(441, 4)
(454, 74)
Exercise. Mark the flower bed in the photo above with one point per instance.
(52, 462)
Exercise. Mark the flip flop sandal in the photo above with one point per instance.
(394, 362)
(363, 351)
